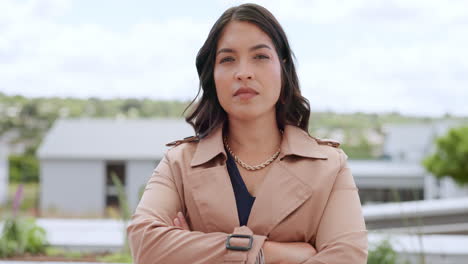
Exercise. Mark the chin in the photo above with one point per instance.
(246, 115)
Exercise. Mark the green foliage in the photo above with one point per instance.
(22, 235)
(118, 257)
(29, 198)
(362, 151)
(451, 156)
(124, 209)
(23, 168)
(122, 197)
(59, 252)
(54, 251)
(383, 253)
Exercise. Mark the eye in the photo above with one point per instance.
(261, 56)
(226, 59)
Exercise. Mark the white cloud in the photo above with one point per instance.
(361, 55)
(339, 11)
(419, 79)
(153, 58)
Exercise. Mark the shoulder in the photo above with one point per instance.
(182, 149)
(328, 142)
(334, 152)
(184, 140)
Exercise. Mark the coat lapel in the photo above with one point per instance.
(214, 197)
(211, 186)
(280, 194)
(285, 189)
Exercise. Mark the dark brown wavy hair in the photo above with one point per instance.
(292, 108)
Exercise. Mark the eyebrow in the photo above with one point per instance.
(256, 47)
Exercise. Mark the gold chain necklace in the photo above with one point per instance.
(247, 166)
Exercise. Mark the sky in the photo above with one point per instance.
(407, 56)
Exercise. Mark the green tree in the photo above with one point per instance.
(23, 168)
(451, 156)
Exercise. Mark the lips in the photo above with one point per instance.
(245, 91)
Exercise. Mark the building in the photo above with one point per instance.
(78, 157)
(387, 181)
(400, 175)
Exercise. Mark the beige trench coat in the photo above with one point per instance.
(308, 195)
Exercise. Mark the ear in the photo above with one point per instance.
(284, 60)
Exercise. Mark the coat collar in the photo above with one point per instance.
(209, 147)
(295, 142)
(298, 142)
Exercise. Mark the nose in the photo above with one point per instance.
(244, 73)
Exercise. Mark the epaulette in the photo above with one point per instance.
(329, 142)
(180, 141)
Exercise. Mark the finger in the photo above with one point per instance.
(313, 250)
(182, 220)
(177, 222)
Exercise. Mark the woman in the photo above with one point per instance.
(252, 186)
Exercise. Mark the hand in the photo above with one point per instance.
(287, 253)
(275, 252)
(179, 221)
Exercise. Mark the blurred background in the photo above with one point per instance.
(90, 92)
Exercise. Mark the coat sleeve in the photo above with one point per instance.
(342, 235)
(153, 238)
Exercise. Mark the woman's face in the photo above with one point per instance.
(247, 72)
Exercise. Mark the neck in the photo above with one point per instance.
(254, 140)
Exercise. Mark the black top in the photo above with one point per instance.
(244, 200)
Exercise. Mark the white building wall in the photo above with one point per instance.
(72, 187)
(442, 188)
(138, 175)
(431, 188)
(450, 189)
